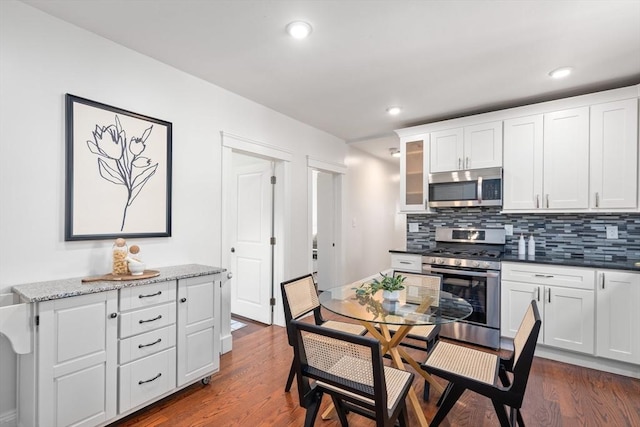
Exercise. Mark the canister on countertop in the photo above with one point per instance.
(119, 257)
(521, 246)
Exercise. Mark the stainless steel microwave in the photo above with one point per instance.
(475, 187)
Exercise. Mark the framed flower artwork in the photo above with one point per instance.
(118, 173)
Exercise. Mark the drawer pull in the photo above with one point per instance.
(405, 262)
(152, 379)
(151, 295)
(113, 315)
(159, 340)
(183, 300)
(546, 276)
(151, 320)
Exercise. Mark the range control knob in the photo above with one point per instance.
(486, 265)
(458, 262)
(432, 260)
(476, 264)
(440, 261)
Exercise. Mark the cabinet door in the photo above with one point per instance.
(569, 319)
(515, 299)
(447, 150)
(618, 326)
(413, 173)
(523, 163)
(483, 146)
(566, 159)
(198, 328)
(77, 360)
(614, 155)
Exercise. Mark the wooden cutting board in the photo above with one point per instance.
(120, 277)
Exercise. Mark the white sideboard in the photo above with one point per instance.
(100, 351)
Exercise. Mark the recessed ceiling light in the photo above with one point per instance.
(394, 152)
(299, 29)
(561, 72)
(394, 111)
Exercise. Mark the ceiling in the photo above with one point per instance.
(436, 59)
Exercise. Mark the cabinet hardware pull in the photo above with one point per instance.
(549, 295)
(597, 200)
(537, 201)
(151, 320)
(113, 315)
(183, 300)
(547, 201)
(546, 276)
(538, 296)
(152, 379)
(467, 163)
(150, 344)
(602, 279)
(459, 163)
(404, 262)
(150, 295)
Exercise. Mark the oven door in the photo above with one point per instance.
(479, 288)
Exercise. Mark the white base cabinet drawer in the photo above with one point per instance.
(143, 380)
(148, 295)
(549, 275)
(146, 344)
(406, 262)
(147, 319)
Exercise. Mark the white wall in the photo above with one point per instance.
(41, 59)
(372, 223)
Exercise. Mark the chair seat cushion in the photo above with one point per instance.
(464, 361)
(351, 328)
(359, 371)
(420, 332)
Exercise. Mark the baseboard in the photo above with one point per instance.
(9, 419)
(225, 344)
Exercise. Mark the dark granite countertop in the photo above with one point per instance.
(572, 260)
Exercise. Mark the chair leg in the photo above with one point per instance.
(444, 394)
(292, 374)
(312, 411)
(520, 420)
(425, 392)
(501, 413)
(504, 379)
(403, 417)
(339, 407)
(451, 398)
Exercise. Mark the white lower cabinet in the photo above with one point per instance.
(406, 262)
(101, 356)
(618, 316)
(69, 379)
(566, 301)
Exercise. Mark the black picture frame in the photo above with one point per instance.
(118, 172)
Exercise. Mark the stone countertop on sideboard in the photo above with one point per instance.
(64, 288)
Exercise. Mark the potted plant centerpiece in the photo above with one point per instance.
(390, 285)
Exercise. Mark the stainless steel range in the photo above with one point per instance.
(469, 262)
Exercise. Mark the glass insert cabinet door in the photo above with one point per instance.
(413, 173)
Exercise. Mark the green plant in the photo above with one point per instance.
(387, 283)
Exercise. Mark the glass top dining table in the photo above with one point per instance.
(408, 310)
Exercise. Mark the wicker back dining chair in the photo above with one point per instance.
(300, 298)
(350, 369)
(418, 286)
(467, 368)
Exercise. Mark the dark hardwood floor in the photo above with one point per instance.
(249, 391)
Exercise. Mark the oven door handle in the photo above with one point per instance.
(460, 272)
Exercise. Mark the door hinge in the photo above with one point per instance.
(272, 240)
(272, 301)
(273, 179)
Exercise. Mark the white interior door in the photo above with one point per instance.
(326, 238)
(251, 220)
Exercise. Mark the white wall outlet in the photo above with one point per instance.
(612, 231)
(413, 227)
(508, 229)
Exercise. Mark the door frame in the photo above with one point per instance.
(338, 171)
(282, 207)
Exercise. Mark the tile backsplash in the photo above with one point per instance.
(559, 235)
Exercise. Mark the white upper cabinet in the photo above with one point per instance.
(471, 147)
(523, 163)
(614, 154)
(413, 173)
(566, 159)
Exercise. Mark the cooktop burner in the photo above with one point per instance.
(470, 248)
